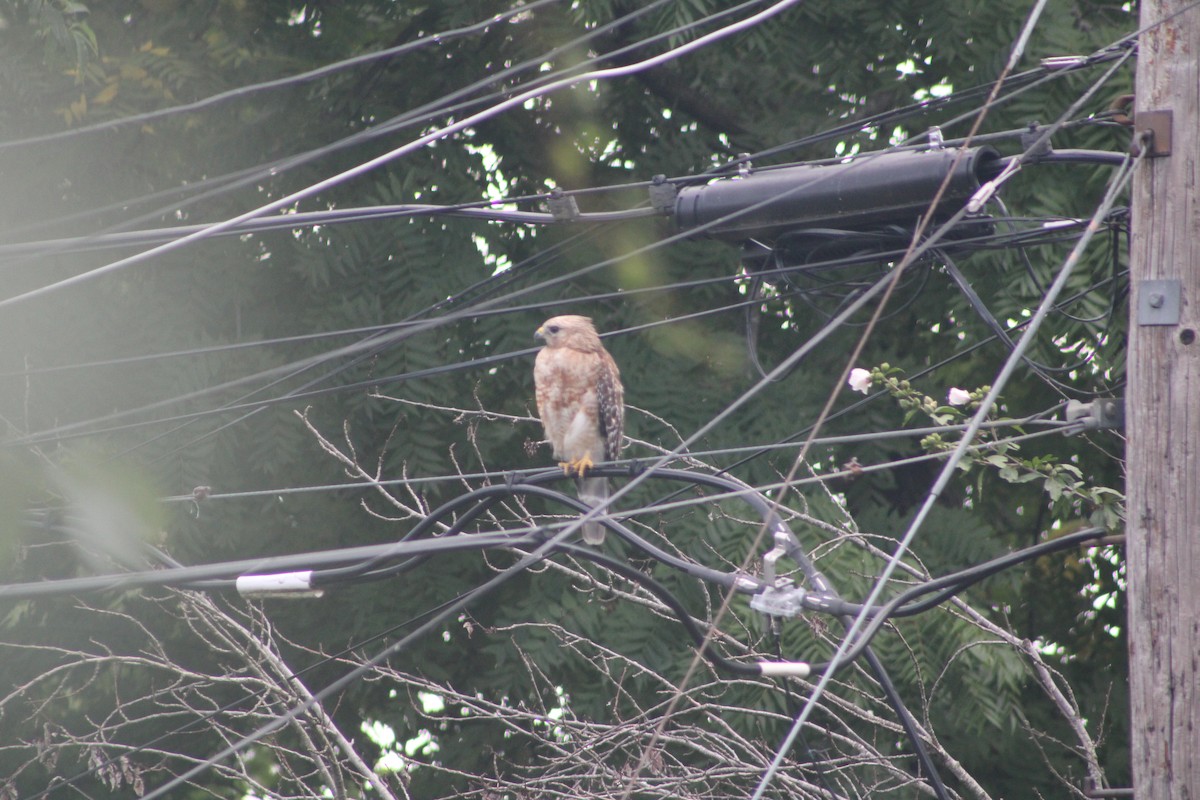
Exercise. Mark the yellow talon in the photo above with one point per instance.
(578, 466)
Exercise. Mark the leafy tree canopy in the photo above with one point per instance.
(179, 403)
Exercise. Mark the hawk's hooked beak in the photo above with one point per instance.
(540, 333)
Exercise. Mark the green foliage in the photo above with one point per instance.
(421, 410)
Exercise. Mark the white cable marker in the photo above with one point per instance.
(280, 585)
(785, 669)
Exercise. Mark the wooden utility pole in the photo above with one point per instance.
(1163, 413)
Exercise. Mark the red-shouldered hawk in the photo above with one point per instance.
(581, 404)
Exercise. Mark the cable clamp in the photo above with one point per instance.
(745, 166)
(1033, 144)
(772, 558)
(1102, 414)
(986, 190)
(562, 206)
(1063, 62)
(282, 585)
(784, 600)
(662, 195)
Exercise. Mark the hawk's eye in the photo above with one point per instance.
(553, 329)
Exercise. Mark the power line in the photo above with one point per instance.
(243, 92)
(403, 150)
(402, 330)
(1116, 184)
(1052, 426)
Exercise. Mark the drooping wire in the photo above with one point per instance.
(288, 81)
(429, 111)
(1116, 184)
(917, 248)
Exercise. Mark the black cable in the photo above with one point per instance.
(285, 82)
(820, 584)
(102, 761)
(932, 775)
(433, 623)
(229, 571)
(475, 209)
(479, 500)
(1043, 371)
(669, 600)
(426, 113)
(940, 590)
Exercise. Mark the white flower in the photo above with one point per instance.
(860, 380)
(959, 397)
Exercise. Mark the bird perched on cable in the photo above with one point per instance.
(581, 404)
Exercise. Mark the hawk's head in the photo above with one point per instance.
(569, 331)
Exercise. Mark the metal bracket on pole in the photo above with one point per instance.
(1158, 302)
(1159, 125)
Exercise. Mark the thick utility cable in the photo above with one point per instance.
(357, 348)
(703, 644)
(1116, 185)
(406, 149)
(453, 607)
(306, 392)
(916, 248)
(232, 181)
(228, 570)
(907, 604)
(477, 209)
(998, 240)
(530, 485)
(286, 81)
(536, 555)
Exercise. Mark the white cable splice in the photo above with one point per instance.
(280, 584)
(785, 669)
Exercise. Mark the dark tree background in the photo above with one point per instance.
(112, 393)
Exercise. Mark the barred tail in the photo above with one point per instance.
(593, 492)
